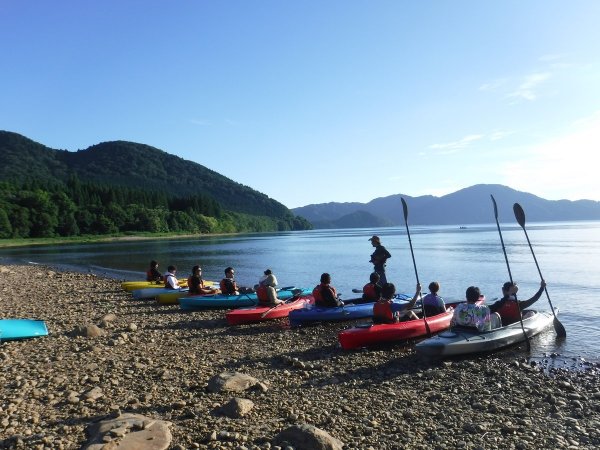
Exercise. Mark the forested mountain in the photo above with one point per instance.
(467, 206)
(123, 186)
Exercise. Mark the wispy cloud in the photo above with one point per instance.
(527, 90)
(451, 147)
(497, 135)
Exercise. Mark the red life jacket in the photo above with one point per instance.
(261, 293)
(153, 275)
(382, 312)
(369, 292)
(509, 312)
(228, 286)
(317, 292)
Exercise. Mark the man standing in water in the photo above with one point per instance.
(378, 258)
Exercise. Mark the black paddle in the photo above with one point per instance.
(405, 208)
(520, 216)
(509, 272)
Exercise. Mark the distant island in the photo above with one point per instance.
(471, 205)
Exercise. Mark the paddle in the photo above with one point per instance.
(520, 216)
(405, 209)
(509, 272)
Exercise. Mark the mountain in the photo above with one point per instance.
(467, 206)
(132, 165)
(356, 219)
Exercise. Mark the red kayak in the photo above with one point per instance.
(369, 334)
(262, 313)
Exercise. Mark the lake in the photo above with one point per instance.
(457, 257)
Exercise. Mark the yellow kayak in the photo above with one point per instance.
(172, 298)
(135, 285)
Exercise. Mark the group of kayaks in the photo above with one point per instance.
(299, 308)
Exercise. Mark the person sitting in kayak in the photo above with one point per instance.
(228, 284)
(266, 289)
(371, 290)
(326, 295)
(170, 279)
(196, 283)
(507, 306)
(385, 310)
(471, 315)
(152, 274)
(433, 304)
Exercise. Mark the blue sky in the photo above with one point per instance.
(318, 101)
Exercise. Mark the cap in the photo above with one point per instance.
(375, 238)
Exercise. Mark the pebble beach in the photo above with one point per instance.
(108, 355)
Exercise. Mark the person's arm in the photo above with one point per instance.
(527, 303)
(411, 304)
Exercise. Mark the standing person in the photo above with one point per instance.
(196, 283)
(152, 274)
(326, 295)
(388, 311)
(379, 258)
(170, 279)
(433, 304)
(266, 289)
(371, 290)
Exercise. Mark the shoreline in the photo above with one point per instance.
(157, 360)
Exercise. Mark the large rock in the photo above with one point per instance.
(236, 407)
(308, 437)
(129, 432)
(231, 382)
(89, 330)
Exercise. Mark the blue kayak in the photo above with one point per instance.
(15, 329)
(312, 313)
(155, 291)
(220, 301)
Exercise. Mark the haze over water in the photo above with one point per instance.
(568, 255)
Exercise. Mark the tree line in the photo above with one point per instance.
(47, 209)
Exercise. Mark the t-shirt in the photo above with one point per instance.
(472, 315)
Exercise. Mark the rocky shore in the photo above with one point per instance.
(108, 355)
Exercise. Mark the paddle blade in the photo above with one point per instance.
(519, 214)
(405, 209)
(495, 207)
(559, 328)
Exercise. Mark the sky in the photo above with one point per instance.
(316, 101)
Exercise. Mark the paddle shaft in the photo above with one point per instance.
(509, 272)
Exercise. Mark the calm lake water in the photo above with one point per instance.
(568, 255)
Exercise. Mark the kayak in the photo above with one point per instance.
(133, 285)
(371, 334)
(262, 313)
(464, 340)
(312, 313)
(15, 329)
(221, 301)
(153, 292)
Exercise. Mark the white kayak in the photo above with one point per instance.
(463, 340)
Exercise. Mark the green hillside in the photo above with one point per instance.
(122, 186)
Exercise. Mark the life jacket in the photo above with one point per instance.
(509, 312)
(153, 275)
(227, 286)
(167, 284)
(318, 296)
(261, 293)
(382, 312)
(194, 285)
(370, 292)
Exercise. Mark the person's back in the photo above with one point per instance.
(472, 315)
(371, 290)
(433, 304)
(325, 295)
(386, 311)
(266, 290)
(509, 308)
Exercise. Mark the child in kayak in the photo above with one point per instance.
(153, 274)
(170, 279)
(433, 304)
(509, 308)
(266, 289)
(326, 295)
(385, 310)
(371, 290)
(475, 316)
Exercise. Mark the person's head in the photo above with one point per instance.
(509, 288)
(196, 270)
(325, 278)
(473, 293)
(268, 272)
(388, 290)
(229, 272)
(374, 278)
(434, 287)
(172, 269)
(375, 240)
(153, 264)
